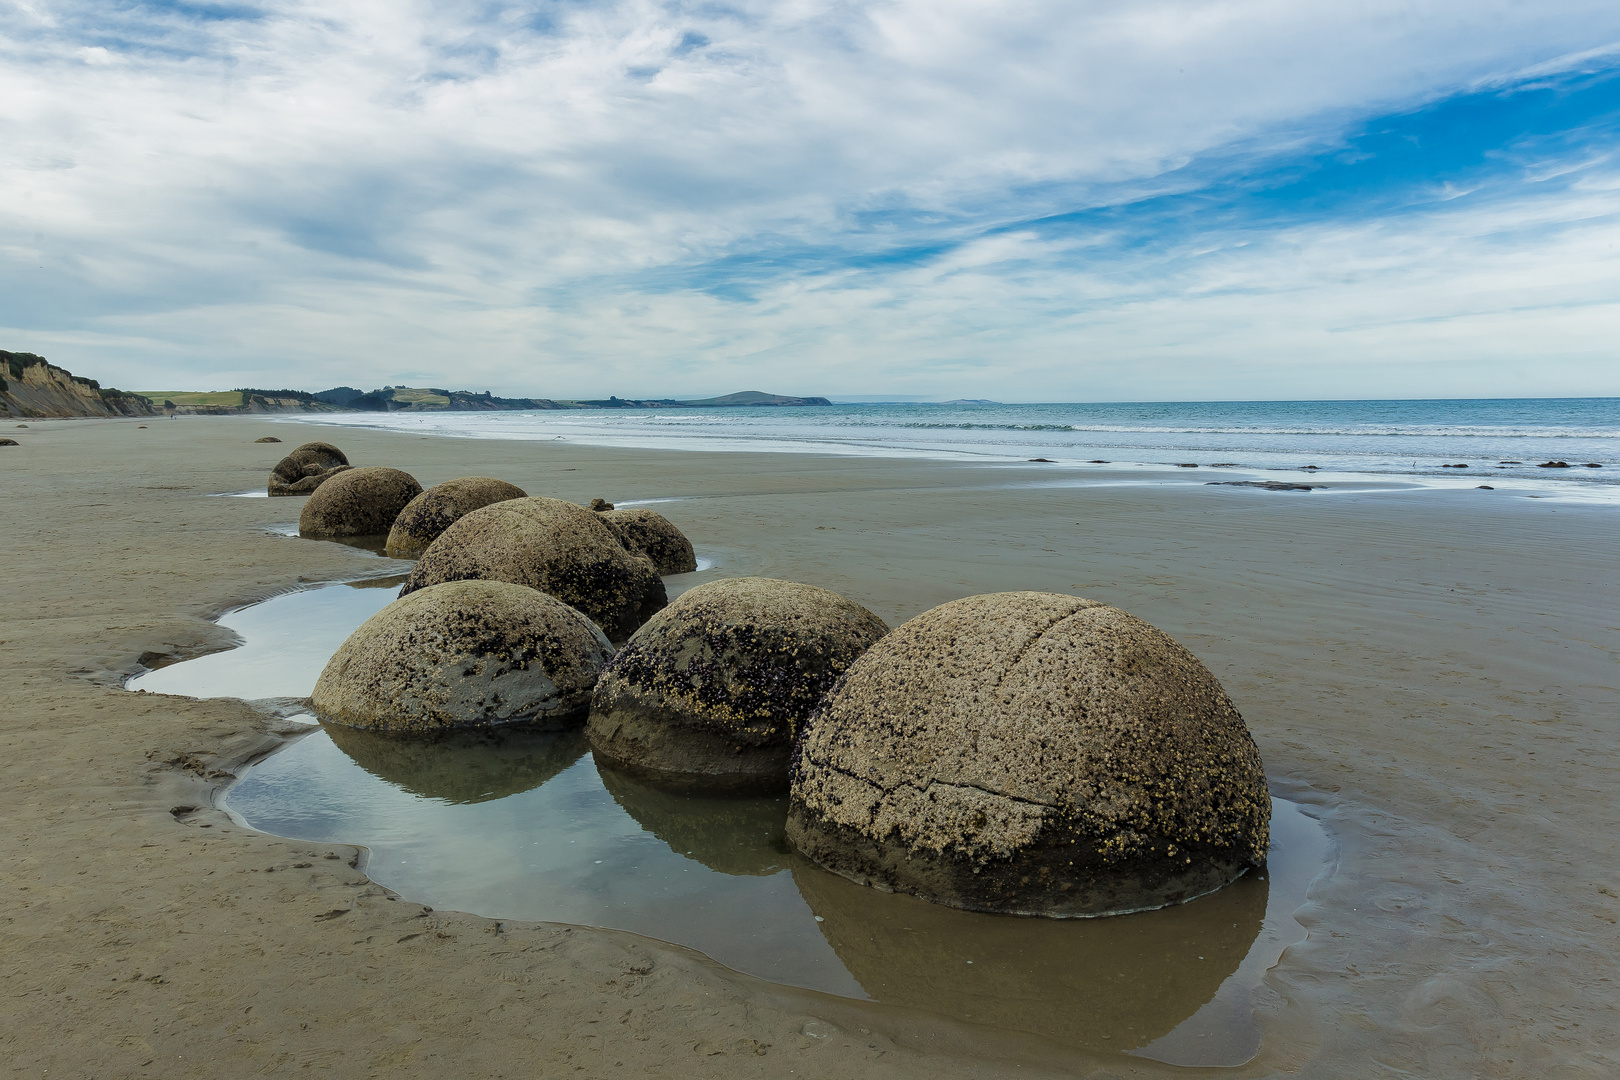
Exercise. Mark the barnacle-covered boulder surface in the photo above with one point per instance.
(306, 468)
(648, 533)
(358, 502)
(464, 654)
(715, 687)
(1031, 753)
(440, 507)
(557, 547)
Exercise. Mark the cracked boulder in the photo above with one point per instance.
(554, 546)
(357, 502)
(440, 507)
(464, 654)
(645, 532)
(306, 468)
(714, 688)
(1030, 753)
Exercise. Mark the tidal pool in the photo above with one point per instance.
(529, 826)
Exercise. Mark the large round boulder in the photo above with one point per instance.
(645, 532)
(306, 469)
(358, 502)
(464, 654)
(714, 688)
(1035, 754)
(440, 507)
(554, 546)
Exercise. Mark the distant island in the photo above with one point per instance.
(968, 401)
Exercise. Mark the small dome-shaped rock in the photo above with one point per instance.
(1031, 753)
(306, 468)
(358, 502)
(464, 654)
(557, 547)
(715, 687)
(267, 438)
(440, 507)
(644, 532)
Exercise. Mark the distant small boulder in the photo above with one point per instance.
(357, 502)
(267, 438)
(306, 469)
(441, 506)
(9, 442)
(644, 532)
(600, 505)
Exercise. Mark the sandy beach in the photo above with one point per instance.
(1432, 673)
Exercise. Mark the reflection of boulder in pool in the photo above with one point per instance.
(462, 766)
(1116, 983)
(734, 834)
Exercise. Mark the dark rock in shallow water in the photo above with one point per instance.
(1268, 485)
(1591, 465)
(600, 505)
(465, 766)
(425, 517)
(715, 687)
(1553, 465)
(306, 468)
(1186, 464)
(464, 654)
(554, 546)
(9, 442)
(1454, 466)
(1030, 753)
(267, 438)
(1043, 460)
(1486, 487)
(357, 502)
(643, 532)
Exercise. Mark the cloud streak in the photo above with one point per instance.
(1165, 199)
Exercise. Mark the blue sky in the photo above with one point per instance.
(1058, 201)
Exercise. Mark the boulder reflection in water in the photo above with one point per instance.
(463, 766)
(734, 834)
(1114, 983)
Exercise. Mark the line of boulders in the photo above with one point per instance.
(1015, 752)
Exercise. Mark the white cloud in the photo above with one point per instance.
(358, 191)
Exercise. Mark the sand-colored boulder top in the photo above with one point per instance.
(646, 532)
(1032, 753)
(464, 654)
(306, 468)
(440, 507)
(267, 438)
(557, 547)
(715, 687)
(358, 502)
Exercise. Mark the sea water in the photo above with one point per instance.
(1498, 439)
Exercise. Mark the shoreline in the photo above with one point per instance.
(1406, 803)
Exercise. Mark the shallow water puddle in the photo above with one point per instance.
(528, 826)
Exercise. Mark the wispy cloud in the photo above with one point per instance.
(1053, 200)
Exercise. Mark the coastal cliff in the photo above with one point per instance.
(32, 387)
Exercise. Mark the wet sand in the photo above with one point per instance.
(1434, 673)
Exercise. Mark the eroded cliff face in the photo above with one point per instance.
(31, 387)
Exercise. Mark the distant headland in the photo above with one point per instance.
(32, 387)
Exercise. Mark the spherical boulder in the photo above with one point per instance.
(464, 654)
(714, 688)
(358, 502)
(644, 532)
(440, 507)
(306, 468)
(1034, 754)
(554, 546)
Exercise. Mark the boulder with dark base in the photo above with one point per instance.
(1035, 754)
(554, 546)
(357, 502)
(267, 438)
(644, 532)
(9, 442)
(306, 469)
(440, 507)
(714, 688)
(464, 654)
